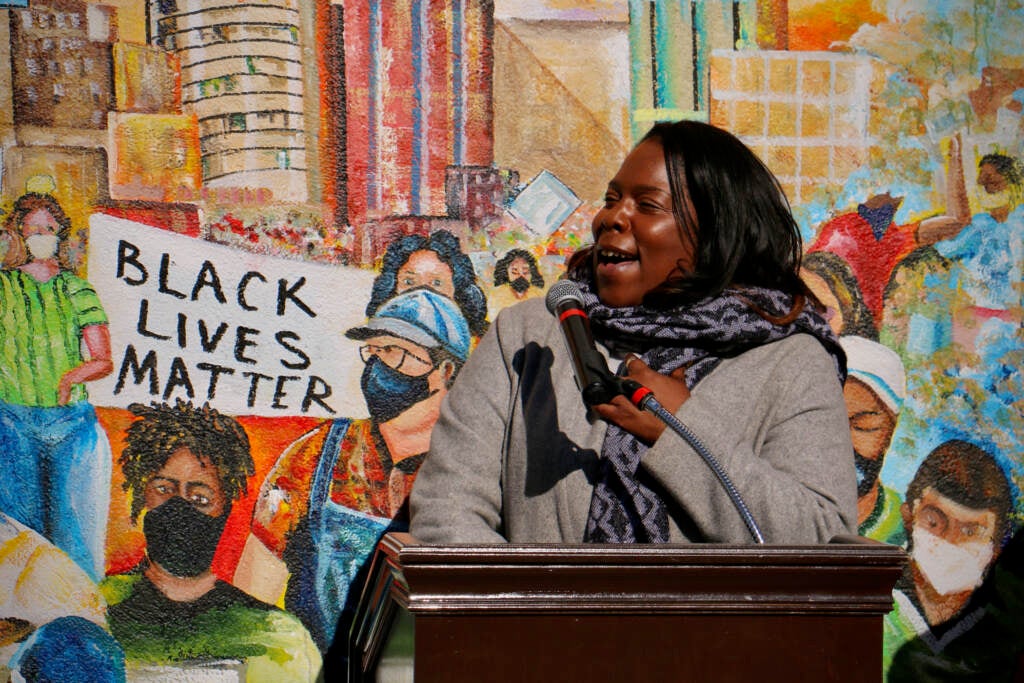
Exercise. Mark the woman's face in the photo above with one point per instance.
(424, 269)
(820, 288)
(991, 179)
(637, 242)
(39, 229)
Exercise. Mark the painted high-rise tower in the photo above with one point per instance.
(243, 75)
(671, 44)
(418, 101)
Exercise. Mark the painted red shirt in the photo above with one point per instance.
(872, 260)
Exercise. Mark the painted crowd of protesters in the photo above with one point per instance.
(900, 298)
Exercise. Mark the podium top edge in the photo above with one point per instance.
(842, 550)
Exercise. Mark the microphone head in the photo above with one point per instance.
(562, 292)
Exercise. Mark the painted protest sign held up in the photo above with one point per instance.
(250, 334)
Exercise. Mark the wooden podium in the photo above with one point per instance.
(630, 613)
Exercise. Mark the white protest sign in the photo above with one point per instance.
(248, 333)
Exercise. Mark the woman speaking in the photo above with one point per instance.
(691, 289)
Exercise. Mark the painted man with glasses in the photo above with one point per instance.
(334, 492)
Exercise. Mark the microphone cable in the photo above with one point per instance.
(598, 385)
(643, 398)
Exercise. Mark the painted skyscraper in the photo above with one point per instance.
(243, 76)
(670, 83)
(422, 92)
(57, 85)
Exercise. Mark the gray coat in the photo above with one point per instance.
(514, 452)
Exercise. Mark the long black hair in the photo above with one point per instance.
(742, 229)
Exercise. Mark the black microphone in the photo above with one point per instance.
(595, 381)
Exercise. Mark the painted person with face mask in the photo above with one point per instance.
(333, 493)
(56, 465)
(871, 241)
(516, 278)
(874, 391)
(435, 261)
(989, 253)
(957, 517)
(184, 467)
(990, 648)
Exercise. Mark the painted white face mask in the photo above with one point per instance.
(996, 200)
(950, 568)
(42, 247)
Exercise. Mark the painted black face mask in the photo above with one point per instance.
(867, 472)
(520, 284)
(388, 392)
(180, 538)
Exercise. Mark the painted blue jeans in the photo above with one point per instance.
(55, 468)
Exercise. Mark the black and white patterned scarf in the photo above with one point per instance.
(623, 508)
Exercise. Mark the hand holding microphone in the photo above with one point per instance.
(597, 384)
(620, 400)
(671, 392)
(603, 391)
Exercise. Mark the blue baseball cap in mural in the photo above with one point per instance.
(423, 317)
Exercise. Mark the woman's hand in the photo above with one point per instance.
(670, 391)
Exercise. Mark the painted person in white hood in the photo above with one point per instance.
(874, 391)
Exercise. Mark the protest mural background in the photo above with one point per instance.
(234, 177)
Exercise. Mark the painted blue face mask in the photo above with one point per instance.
(388, 392)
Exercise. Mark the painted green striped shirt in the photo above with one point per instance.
(41, 334)
(885, 523)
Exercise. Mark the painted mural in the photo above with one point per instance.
(247, 247)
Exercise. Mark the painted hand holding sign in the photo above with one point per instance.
(253, 335)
